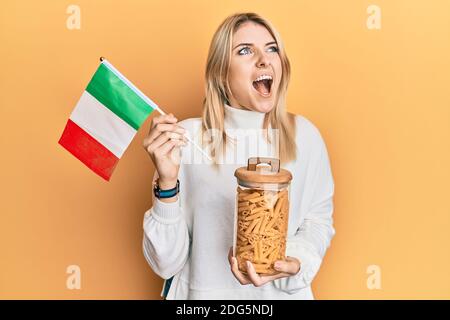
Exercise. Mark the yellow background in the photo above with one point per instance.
(379, 97)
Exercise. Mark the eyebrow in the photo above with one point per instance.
(251, 44)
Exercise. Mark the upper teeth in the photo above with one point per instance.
(263, 77)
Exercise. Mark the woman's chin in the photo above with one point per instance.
(263, 106)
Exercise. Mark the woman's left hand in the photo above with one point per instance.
(287, 268)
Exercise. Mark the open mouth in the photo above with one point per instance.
(263, 85)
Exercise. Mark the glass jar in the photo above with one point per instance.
(261, 214)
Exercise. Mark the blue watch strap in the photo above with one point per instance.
(169, 193)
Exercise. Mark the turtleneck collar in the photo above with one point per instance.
(243, 119)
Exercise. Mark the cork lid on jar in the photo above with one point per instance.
(263, 170)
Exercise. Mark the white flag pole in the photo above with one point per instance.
(146, 99)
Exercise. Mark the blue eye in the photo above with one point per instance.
(273, 49)
(245, 50)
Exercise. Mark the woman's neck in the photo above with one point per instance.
(243, 119)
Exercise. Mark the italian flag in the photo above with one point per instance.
(105, 120)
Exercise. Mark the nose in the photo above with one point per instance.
(263, 60)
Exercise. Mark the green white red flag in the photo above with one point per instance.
(105, 120)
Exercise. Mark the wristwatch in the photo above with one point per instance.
(169, 193)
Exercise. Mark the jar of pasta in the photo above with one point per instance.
(261, 214)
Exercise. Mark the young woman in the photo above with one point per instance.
(188, 232)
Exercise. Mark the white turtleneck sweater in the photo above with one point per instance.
(189, 239)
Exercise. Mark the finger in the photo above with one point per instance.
(167, 147)
(274, 277)
(155, 139)
(162, 140)
(164, 137)
(161, 128)
(230, 255)
(238, 274)
(253, 276)
(164, 118)
(290, 265)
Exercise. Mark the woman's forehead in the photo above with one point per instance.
(251, 32)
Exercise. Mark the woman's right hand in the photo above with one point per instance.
(163, 145)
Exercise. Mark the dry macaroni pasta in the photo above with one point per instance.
(261, 228)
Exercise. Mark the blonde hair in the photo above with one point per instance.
(217, 89)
